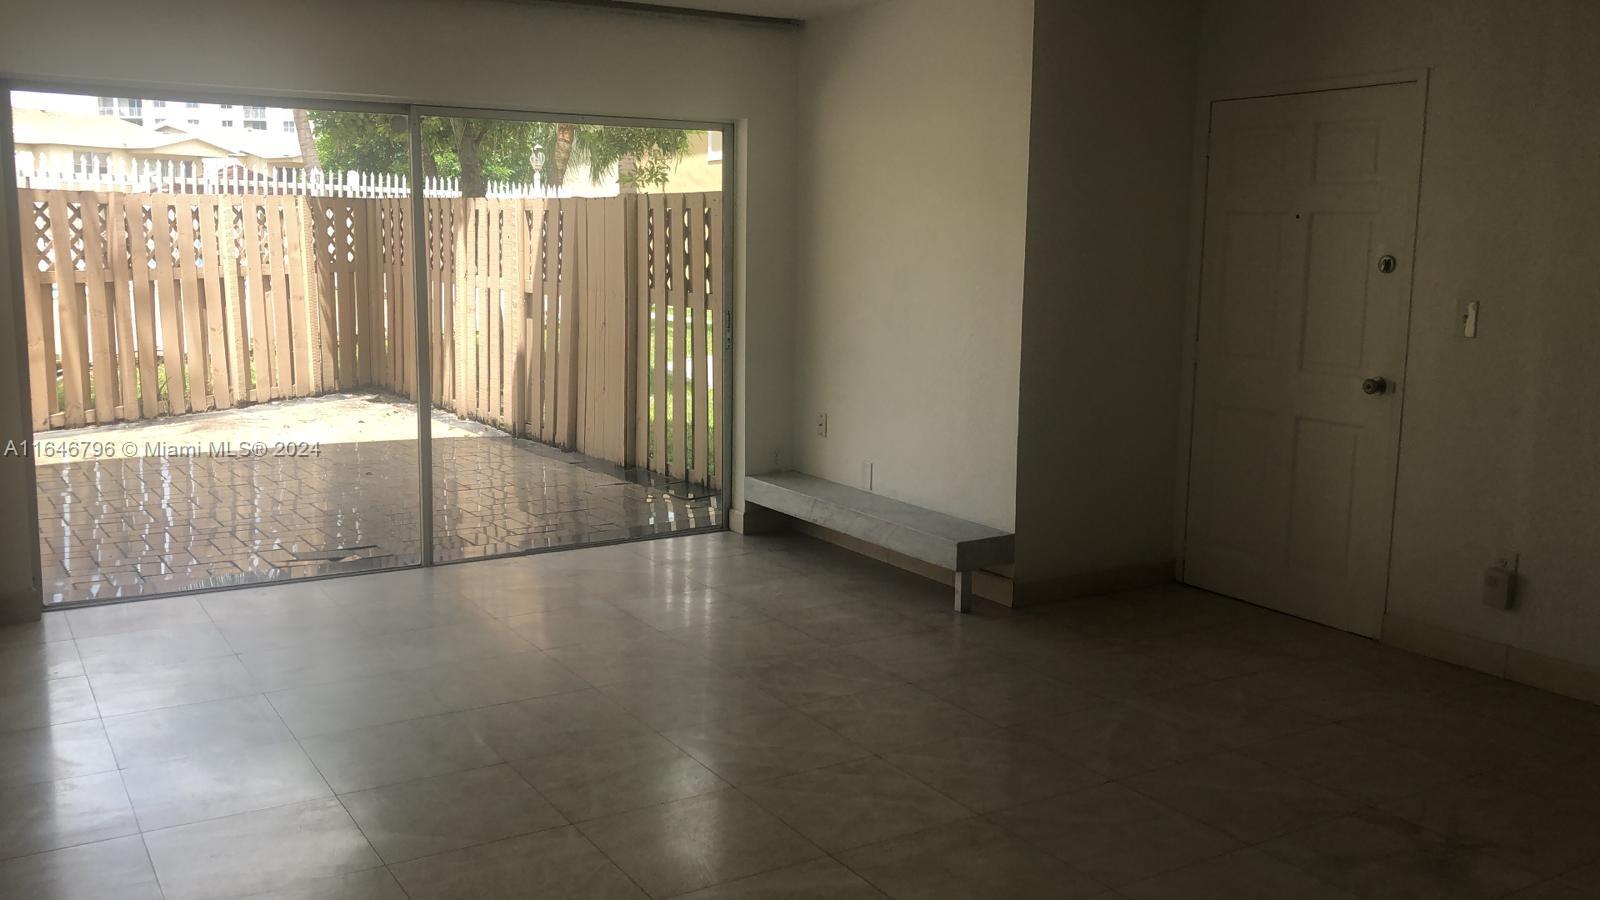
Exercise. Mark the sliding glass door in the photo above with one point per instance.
(581, 278)
(212, 339)
(234, 311)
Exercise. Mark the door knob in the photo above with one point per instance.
(1377, 385)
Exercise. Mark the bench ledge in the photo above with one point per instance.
(923, 534)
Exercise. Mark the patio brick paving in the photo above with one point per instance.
(148, 525)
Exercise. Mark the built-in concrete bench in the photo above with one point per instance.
(922, 534)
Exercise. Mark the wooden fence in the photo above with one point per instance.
(166, 176)
(589, 324)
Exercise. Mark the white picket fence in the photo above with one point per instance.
(168, 178)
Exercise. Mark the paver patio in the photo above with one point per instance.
(142, 524)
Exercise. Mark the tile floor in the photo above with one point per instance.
(720, 717)
(125, 527)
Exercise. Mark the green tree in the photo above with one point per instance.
(480, 150)
(641, 157)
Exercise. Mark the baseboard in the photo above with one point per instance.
(1453, 647)
(1559, 676)
(990, 586)
(1089, 584)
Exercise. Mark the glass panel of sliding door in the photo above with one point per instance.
(221, 342)
(575, 292)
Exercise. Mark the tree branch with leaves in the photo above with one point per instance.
(478, 151)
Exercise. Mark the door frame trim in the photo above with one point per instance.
(1199, 194)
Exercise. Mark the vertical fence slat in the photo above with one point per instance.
(489, 304)
(620, 334)
(681, 441)
(717, 291)
(445, 248)
(168, 296)
(69, 312)
(120, 299)
(144, 308)
(302, 264)
(363, 306)
(393, 337)
(346, 335)
(597, 325)
(552, 307)
(194, 336)
(638, 292)
(325, 334)
(496, 312)
(527, 350)
(581, 290)
(661, 245)
(435, 263)
(459, 322)
(102, 341)
(41, 321)
(445, 334)
(535, 327)
(514, 244)
(505, 309)
(258, 348)
(402, 297)
(230, 274)
(212, 288)
(513, 365)
(466, 319)
(476, 312)
(571, 327)
(281, 382)
(695, 334)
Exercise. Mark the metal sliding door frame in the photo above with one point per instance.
(10, 211)
(722, 373)
(418, 250)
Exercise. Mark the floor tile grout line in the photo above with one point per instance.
(151, 862)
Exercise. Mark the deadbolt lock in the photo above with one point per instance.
(1387, 263)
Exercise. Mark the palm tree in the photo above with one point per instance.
(308, 144)
(639, 156)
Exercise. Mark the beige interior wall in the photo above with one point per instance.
(913, 176)
(1108, 202)
(550, 58)
(1500, 446)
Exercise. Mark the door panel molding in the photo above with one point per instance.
(1346, 162)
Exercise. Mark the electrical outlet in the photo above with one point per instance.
(822, 424)
(1500, 582)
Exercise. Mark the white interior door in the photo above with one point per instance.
(1292, 466)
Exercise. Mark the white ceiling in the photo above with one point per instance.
(782, 9)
